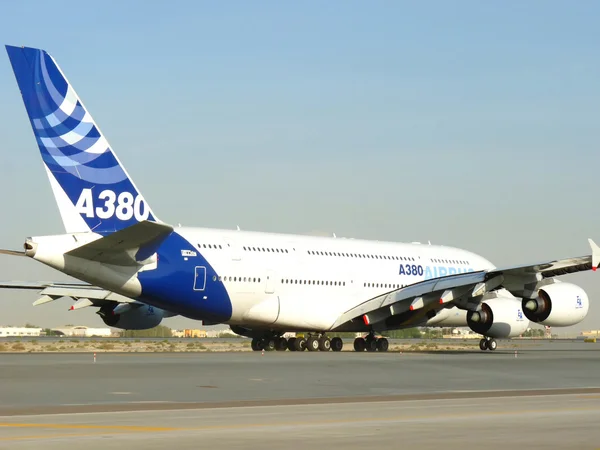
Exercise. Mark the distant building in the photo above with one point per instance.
(591, 333)
(189, 333)
(83, 331)
(19, 331)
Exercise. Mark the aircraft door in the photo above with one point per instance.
(270, 281)
(234, 250)
(200, 278)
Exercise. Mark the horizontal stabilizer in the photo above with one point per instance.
(128, 246)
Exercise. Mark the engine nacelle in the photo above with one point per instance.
(558, 304)
(500, 317)
(141, 318)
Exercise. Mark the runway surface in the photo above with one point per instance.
(546, 397)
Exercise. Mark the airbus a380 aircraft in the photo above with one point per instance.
(137, 269)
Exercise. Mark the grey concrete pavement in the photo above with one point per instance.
(568, 421)
(28, 380)
(546, 397)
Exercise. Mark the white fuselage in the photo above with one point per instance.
(266, 280)
(296, 281)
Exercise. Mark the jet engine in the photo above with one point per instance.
(133, 318)
(499, 317)
(558, 304)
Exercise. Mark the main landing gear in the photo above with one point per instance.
(312, 343)
(488, 344)
(371, 344)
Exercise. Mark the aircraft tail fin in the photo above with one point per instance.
(91, 187)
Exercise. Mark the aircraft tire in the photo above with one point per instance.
(382, 345)
(256, 344)
(324, 344)
(483, 344)
(281, 344)
(359, 344)
(269, 344)
(371, 344)
(492, 345)
(312, 344)
(337, 344)
(291, 343)
(300, 344)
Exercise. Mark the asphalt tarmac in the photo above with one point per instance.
(545, 396)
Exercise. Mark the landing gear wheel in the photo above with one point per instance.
(312, 344)
(371, 344)
(382, 345)
(269, 344)
(483, 344)
(300, 344)
(359, 345)
(281, 345)
(324, 344)
(291, 344)
(256, 344)
(337, 344)
(492, 345)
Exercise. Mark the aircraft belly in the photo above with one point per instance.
(264, 312)
(306, 314)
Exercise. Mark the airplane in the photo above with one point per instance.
(138, 270)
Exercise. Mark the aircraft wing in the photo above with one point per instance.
(466, 289)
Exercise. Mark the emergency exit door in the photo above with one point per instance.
(200, 278)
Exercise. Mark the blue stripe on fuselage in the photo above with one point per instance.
(171, 285)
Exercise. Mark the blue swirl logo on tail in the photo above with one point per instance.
(91, 187)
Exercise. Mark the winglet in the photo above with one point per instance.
(595, 254)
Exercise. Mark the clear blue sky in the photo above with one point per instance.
(468, 123)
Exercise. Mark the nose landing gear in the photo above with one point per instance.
(488, 343)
